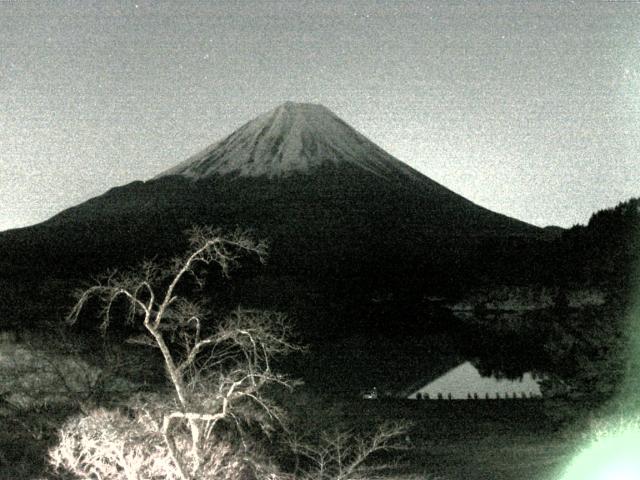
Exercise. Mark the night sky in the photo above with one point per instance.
(530, 109)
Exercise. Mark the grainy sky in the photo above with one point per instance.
(531, 109)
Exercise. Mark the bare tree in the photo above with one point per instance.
(343, 455)
(218, 373)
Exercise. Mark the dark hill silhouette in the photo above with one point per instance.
(606, 251)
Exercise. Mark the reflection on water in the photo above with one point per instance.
(466, 382)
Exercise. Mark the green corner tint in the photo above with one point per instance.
(613, 455)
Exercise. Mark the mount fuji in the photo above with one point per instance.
(339, 212)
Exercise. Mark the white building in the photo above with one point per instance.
(465, 381)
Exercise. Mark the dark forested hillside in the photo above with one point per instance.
(581, 351)
(606, 251)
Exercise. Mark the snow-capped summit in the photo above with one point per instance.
(294, 137)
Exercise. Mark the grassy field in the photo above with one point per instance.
(454, 440)
(24, 441)
(475, 440)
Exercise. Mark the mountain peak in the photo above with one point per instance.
(301, 107)
(293, 137)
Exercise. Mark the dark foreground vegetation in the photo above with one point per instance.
(456, 440)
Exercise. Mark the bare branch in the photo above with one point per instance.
(342, 455)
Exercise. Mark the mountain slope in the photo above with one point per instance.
(310, 140)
